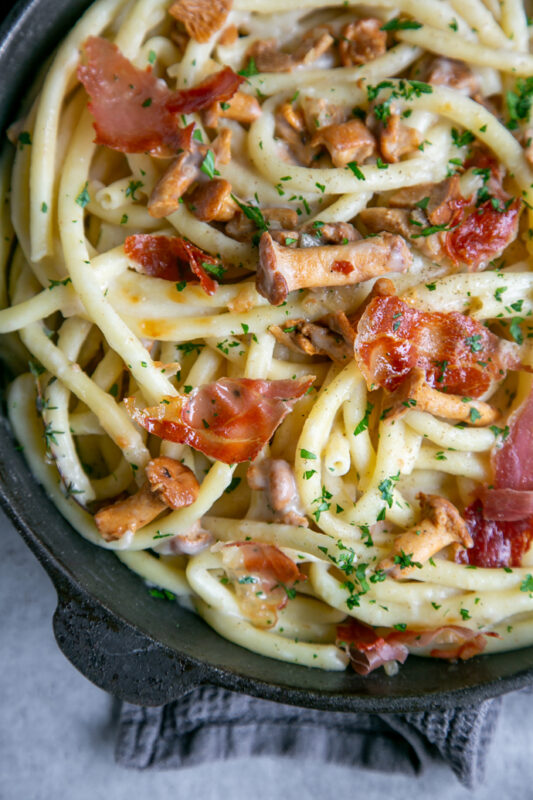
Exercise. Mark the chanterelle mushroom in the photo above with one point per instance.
(275, 478)
(314, 340)
(348, 141)
(169, 484)
(283, 269)
(268, 58)
(201, 18)
(441, 525)
(414, 392)
(362, 41)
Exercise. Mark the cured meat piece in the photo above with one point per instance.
(216, 88)
(230, 420)
(497, 543)
(173, 259)
(370, 648)
(457, 353)
(134, 111)
(128, 104)
(484, 234)
(201, 18)
(263, 577)
(513, 461)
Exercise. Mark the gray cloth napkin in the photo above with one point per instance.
(210, 723)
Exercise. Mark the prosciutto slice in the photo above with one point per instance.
(230, 420)
(510, 498)
(263, 577)
(370, 648)
(513, 462)
(172, 259)
(134, 111)
(497, 542)
(484, 234)
(458, 354)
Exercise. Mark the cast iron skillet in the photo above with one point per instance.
(148, 651)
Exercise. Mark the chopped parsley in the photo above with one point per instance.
(356, 171)
(208, 165)
(133, 186)
(397, 24)
(249, 70)
(84, 197)
(362, 425)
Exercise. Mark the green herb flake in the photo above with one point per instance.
(84, 197)
(306, 454)
(356, 171)
(397, 24)
(362, 425)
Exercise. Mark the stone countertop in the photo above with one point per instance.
(57, 732)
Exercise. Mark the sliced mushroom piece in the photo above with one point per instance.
(268, 58)
(441, 526)
(291, 129)
(173, 482)
(275, 477)
(362, 41)
(301, 336)
(281, 219)
(331, 232)
(408, 223)
(414, 392)
(349, 141)
(127, 516)
(441, 201)
(221, 145)
(169, 484)
(201, 18)
(442, 71)
(283, 269)
(396, 139)
(189, 543)
(319, 113)
(179, 176)
(241, 107)
(229, 36)
(212, 201)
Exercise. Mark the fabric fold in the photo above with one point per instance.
(210, 723)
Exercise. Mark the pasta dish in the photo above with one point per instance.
(267, 295)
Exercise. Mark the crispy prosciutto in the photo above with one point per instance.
(497, 542)
(230, 419)
(510, 497)
(217, 88)
(263, 577)
(370, 648)
(173, 259)
(457, 353)
(134, 111)
(513, 462)
(484, 234)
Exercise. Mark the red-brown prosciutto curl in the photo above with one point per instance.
(510, 497)
(173, 259)
(497, 542)
(457, 353)
(484, 234)
(370, 648)
(263, 576)
(134, 111)
(230, 420)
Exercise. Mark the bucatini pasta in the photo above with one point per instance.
(271, 270)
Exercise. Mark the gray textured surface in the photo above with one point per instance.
(57, 732)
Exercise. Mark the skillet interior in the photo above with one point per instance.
(149, 651)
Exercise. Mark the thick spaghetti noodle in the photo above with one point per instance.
(273, 274)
